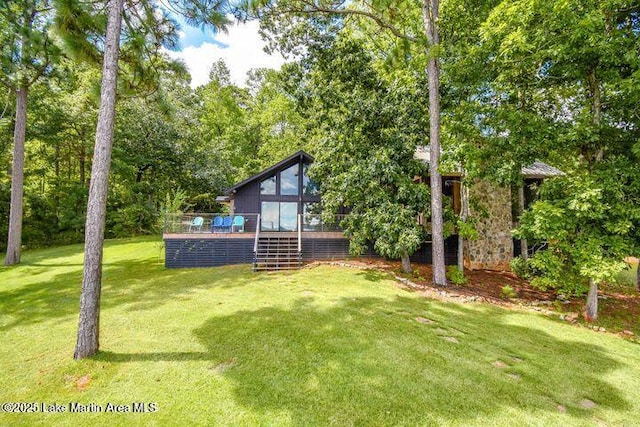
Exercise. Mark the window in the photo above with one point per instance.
(270, 216)
(279, 216)
(268, 186)
(309, 187)
(288, 216)
(312, 220)
(289, 181)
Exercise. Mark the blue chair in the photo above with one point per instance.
(216, 225)
(226, 224)
(238, 222)
(196, 223)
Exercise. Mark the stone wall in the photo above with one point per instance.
(493, 249)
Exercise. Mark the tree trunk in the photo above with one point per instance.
(406, 263)
(524, 249)
(638, 275)
(14, 238)
(89, 320)
(430, 21)
(591, 310)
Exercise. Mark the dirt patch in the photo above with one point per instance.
(485, 284)
(619, 306)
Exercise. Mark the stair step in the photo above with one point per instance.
(277, 253)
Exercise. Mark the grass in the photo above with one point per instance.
(320, 346)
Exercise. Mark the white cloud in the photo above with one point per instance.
(244, 52)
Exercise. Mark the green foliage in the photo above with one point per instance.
(366, 131)
(508, 292)
(590, 223)
(175, 202)
(455, 275)
(521, 267)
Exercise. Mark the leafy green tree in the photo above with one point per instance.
(282, 17)
(26, 55)
(367, 132)
(579, 70)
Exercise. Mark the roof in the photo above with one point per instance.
(536, 170)
(300, 155)
(540, 170)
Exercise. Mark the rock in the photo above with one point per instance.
(571, 317)
(424, 320)
(587, 404)
(627, 332)
(561, 408)
(451, 339)
(500, 364)
(515, 377)
(601, 329)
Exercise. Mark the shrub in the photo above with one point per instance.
(520, 267)
(508, 292)
(455, 275)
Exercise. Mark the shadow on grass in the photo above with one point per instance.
(367, 361)
(138, 284)
(373, 275)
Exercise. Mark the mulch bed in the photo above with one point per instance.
(619, 308)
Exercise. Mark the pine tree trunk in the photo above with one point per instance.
(406, 263)
(591, 310)
(89, 322)
(638, 275)
(430, 21)
(14, 238)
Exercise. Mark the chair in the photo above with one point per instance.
(216, 225)
(196, 223)
(227, 222)
(238, 222)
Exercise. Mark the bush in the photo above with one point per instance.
(455, 275)
(521, 268)
(508, 292)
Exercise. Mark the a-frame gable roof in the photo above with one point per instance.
(294, 158)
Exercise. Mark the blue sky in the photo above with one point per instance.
(196, 37)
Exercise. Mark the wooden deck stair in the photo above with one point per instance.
(277, 253)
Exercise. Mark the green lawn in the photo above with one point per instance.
(320, 346)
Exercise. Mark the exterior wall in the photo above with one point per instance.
(247, 199)
(493, 249)
(185, 252)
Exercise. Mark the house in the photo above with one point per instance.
(283, 226)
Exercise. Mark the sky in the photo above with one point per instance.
(241, 49)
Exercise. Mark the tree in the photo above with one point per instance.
(88, 323)
(26, 54)
(580, 69)
(430, 12)
(385, 15)
(365, 134)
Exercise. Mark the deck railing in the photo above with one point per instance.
(196, 223)
(320, 223)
